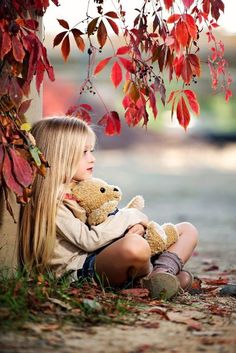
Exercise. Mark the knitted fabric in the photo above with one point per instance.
(168, 262)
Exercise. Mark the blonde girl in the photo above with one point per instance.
(52, 238)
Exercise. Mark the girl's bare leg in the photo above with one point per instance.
(187, 241)
(126, 258)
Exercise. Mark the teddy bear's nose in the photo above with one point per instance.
(115, 189)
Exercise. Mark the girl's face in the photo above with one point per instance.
(86, 164)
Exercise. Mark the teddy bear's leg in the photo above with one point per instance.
(171, 233)
(156, 238)
(136, 202)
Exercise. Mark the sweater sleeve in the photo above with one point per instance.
(91, 239)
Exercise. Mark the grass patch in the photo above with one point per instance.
(45, 299)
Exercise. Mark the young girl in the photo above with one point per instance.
(51, 238)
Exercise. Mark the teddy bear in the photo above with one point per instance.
(93, 200)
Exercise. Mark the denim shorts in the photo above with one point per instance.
(88, 268)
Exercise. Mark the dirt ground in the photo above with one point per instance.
(188, 181)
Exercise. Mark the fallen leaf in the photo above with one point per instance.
(183, 318)
(207, 333)
(136, 292)
(211, 268)
(60, 303)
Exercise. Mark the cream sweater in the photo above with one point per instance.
(75, 240)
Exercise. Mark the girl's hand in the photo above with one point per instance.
(137, 229)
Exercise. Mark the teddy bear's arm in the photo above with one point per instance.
(136, 202)
(100, 214)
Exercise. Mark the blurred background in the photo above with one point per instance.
(182, 176)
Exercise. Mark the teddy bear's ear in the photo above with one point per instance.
(76, 209)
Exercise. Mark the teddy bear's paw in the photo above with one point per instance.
(171, 233)
(156, 238)
(136, 202)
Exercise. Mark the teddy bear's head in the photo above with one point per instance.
(93, 193)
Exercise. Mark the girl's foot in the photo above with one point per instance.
(161, 285)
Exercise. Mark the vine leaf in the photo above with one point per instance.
(111, 121)
(65, 47)
(100, 66)
(183, 114)
(116, 74)
(101, 34)
(63, 23)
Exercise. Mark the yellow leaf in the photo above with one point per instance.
(25, 127)
(126, 85)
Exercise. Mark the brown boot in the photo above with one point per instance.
(161, 284)
(185, 279)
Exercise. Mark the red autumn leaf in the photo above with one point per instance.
(216, 6)
(135, 292)
(188, 3)
(48, 67)
(1, 159)
(122, 50)
(191, 25)
(216, 282)
(39, 74)
(100, 66)
(4, 83)
(86, 106)
(91, 26)
(153, 103)
(183, 115)
(22, 169)
(84, 115)
(181, 33)
(15, 92)
(17, 49)
(195, 64)
(116, 74)
(31, 24)
(78, 39)
(63, 23)
(178, 64)
(24, 107)
(206, 6)
(168, 3)
(113, 26)
(5, 44)
(111, 121)
(186, 71)
(65, 47)
(57, 40)
(228, 94)
(101, 34)
(9, 177)
(192, 100)
(173, 18)
(111, 14)
(128, 65)
(126, 102)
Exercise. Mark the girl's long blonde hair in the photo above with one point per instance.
(62, 141)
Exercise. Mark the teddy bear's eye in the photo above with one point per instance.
(102, 190)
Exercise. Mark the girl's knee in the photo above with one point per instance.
(136, 249)
(189, 230)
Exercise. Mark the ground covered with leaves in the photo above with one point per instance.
(43, 313)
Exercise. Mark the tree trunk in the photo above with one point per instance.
(9, 229)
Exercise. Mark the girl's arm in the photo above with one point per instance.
(91, 239)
